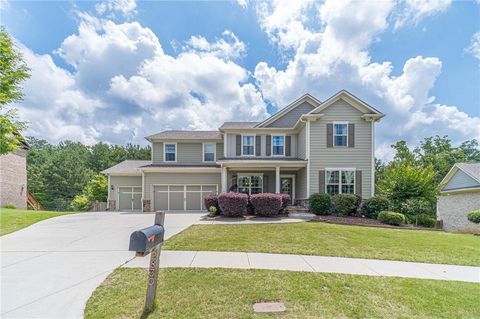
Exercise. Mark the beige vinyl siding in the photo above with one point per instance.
(359, 157)
(301, 143)
(189, 153)
(179, 178)
(301, 184)
(231, 139)
(119, 181)
(219, 150)
(290, 118)
(157, 152)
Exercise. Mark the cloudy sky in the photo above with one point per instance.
(118, 70)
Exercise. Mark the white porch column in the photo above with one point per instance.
(277, 179)
(224, 179)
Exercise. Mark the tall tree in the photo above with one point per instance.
(13, 71)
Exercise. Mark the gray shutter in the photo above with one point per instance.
(258, 145)
(268, 150)
(239, 145)
(321, 181)
(288, 145)
(358, 183)
(351, 135)
(329, 134)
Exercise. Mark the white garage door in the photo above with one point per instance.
(181, 197)
(130, 198)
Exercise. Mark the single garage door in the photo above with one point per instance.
(130, 198)
(181, 197)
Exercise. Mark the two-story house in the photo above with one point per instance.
(307, 147)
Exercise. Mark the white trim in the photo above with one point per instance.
(349, 98)
(225, 143)
(168, 191)
(373, 159)
(307, 127)
(181, 169)
(109, 186)
(254, 143)
(340, 178)
(284, 142)
(277, 180)
(224, 179)
(165, 153)
(214, 152)
(292, 176)
(143, 184)
(333, 133)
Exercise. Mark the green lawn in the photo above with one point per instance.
(313, 238)
(15, 219)
(230, 293)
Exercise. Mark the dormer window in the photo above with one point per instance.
(248, 145)
(170, 152)
(278, 145)
(340, 134)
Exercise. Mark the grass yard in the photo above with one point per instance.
(15, 219)
(230, 293)
(313, 238)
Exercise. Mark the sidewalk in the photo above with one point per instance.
(355, 266)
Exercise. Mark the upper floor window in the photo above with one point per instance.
(170, 152)
(340, 134)
(340, 181)
(278, 145)
(248, 145)
(209, 152)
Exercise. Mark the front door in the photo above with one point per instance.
(286, 186)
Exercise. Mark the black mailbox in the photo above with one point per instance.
(144, 240)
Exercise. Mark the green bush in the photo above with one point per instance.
(426, 221)
(474, 216)
(80, 203)
(391, 218)
(320, 204)
(213, 210)
(374, 205)
(414, 207)
(9, 206)
(345, 204)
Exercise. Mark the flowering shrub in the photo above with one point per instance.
(233, 204)
(210, 200)
(285, 201)
(266, 204)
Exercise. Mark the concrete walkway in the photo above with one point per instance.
(292, 218)
(50, 269)
(321, 264)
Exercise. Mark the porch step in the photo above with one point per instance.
(297, 209)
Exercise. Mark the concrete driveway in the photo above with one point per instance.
(50, 269)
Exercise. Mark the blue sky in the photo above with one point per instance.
(118, 70)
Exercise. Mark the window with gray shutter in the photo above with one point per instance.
(351, 135)
(329, 134)
(258, 145)
(238, 148)
(288, 145)
(268, 146)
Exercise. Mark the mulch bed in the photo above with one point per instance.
(246, 217)
(362, 221)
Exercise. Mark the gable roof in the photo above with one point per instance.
(228, 125)
(470, 169)
(352, 100)
(304, 98)
(186, 135)
(127, 167)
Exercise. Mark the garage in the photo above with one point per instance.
(130, 198)
(181, 197)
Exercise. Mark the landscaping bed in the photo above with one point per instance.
(361, 221)
(325, 239)
(231, 293)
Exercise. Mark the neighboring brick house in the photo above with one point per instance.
(307, 147)
(13, 178)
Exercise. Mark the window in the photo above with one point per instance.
(340, 181)
(209, 152)
(170, 152)
(248, 145)
(340, 134)
(250, 184)
(278, 145)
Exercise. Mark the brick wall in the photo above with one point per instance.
(13, 179)
(453, 210)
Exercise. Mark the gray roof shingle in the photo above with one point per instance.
(472, 169)
(127, 167)
(238, 125)
(186, 135)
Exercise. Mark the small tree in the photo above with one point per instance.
(97, 188)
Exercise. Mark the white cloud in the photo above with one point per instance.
(228, 47)
(411, 12)
(127, 8)
(474, 47)
(243, 3)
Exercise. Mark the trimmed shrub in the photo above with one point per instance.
(213, 210)
(474, 216)
(426, 221)
(9, 206)
(391, 218)
(285, 201)
(211, 200)
(233, 204)
(320, 204)
(374, 205)
(266, 204)
(345, 204)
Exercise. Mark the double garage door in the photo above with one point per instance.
(181, 197)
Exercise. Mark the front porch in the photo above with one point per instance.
(250, 178)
